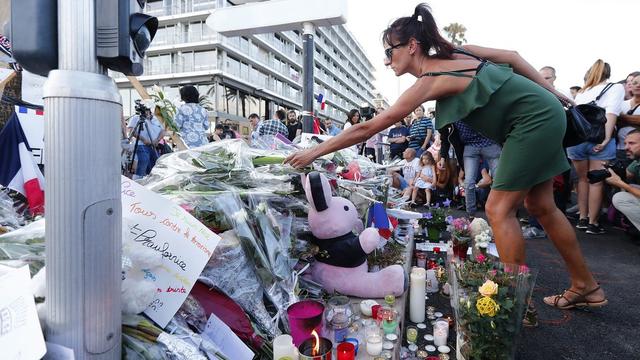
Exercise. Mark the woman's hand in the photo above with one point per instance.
(563, 98)
(301, 158)
(601, 146)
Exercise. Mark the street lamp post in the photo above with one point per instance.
(82, 194)
(307, 73)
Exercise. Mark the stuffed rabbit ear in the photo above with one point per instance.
(318, 191)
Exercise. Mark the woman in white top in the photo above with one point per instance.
(590, 156)
(353, 117)
(629, 118)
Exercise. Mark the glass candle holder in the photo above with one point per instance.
(412, 334)
(440, 332)
(390, 321)
(421, 259)
(346, 351)
(304, 317)
(374, 344)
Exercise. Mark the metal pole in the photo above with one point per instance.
(82, 195)
(307, 70)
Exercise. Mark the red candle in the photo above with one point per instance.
(346, 351)
(374, 311)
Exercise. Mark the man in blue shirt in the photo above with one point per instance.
(398, 140)
(331, 129)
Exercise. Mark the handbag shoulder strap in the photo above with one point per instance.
(631, 111)
(606, 88)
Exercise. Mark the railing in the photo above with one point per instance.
(197, 5)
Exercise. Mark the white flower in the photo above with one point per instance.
(477, 226)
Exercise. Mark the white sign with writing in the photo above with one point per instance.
(20, 334)
(32, 123)
(32, 86)
(183, 242)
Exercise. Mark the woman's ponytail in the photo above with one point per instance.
(421, 26)
(599, 72)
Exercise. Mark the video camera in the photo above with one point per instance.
(596, 176)
(367, 113)
(140, 108)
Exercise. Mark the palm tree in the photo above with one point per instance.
(455, 32)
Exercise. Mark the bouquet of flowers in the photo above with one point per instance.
(482, 240)
(491, 300)
(461, 235)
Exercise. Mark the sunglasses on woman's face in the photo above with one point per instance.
(388, 52)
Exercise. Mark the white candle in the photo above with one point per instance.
(440, 332)
(432, 281)
(283, 347)
(417, 295)
(374, 345)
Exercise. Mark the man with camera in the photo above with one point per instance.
(148, 132)
(628, 200)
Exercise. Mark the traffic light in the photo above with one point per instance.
(34, 35)
(123, 34)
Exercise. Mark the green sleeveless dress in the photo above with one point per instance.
(513, 111)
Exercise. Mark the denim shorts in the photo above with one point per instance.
(585, 151)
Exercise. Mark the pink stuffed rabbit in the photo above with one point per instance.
(342, 261)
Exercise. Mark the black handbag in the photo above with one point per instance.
(586, 122)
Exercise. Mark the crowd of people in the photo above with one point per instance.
(459, 149)
(455, 162)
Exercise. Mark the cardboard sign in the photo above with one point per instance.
(20, 334)
(185, 245)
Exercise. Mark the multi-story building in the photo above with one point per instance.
(249, 74)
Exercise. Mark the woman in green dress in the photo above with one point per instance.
(512, 105)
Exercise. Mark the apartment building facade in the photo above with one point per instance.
(249, 74)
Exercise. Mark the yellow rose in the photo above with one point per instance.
(489, 288)
(487, 306)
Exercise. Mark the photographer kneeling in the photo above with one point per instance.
(628, 200)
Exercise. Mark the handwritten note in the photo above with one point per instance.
(20, 333)
(228, 342)
(184, 244)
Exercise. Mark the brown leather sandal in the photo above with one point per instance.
(578, 301)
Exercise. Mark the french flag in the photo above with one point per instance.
(378, 217)
(320, 99)
(18, 169)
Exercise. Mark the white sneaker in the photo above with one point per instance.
(532, 232)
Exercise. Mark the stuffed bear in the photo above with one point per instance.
(342, 260)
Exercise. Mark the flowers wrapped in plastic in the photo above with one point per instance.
(491, 299)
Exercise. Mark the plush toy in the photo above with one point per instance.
(138, 276)
(342, 260)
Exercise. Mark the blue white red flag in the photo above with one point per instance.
(321, 100)
(380, 220)
(18, 169)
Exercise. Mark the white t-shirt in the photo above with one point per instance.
(410, 169)
(151, 130)
(610, 101)
(624, 131)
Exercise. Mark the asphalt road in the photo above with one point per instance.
(612, 332)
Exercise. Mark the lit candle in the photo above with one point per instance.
(374, 344)
(346, 351)
(417, 294)
(440, 332)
